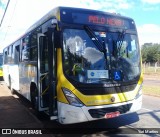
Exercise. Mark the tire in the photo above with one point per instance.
(34, 97)
(12, 91)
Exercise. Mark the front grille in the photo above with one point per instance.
(99, 113)
(97, 90)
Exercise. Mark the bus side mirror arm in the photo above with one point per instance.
(57, 39)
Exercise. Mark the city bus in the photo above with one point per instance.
(77, 65)
(1, 69)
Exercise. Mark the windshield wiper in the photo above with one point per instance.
(120, 39)
(94, 38)
(100, 45)
(118, 43)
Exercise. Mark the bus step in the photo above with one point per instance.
(53, 117)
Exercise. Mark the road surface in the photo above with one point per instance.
(152, 82)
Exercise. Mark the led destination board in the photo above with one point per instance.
(105, 21)
(96, 18)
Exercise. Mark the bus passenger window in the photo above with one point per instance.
(33, 53)
(33, 46)
(25, 49)
(5, 57)
(16, 54)
(10, 54)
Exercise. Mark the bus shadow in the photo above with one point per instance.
(105, 126)
(152, 114)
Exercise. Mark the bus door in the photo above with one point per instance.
(46, 75)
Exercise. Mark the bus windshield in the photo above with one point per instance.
(85, 62)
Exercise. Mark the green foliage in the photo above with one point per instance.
(150, 52)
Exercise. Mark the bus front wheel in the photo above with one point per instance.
(34, 96)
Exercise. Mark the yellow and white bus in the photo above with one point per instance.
(77, 65)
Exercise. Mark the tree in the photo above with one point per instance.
(150, 52)
(144, 53)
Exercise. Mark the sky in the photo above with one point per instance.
(21, 14)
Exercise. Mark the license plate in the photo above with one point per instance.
(112, 114)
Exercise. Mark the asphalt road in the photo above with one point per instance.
(126, 125)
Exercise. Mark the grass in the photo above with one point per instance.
(151, 90)
(150, 73)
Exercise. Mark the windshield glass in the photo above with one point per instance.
(85, 62)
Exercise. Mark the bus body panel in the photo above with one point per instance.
(107, 99)
(11, 74)
(68, 114)
(14, 75)
(28, 74)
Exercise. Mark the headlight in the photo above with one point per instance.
(139, 93)
(72, 99)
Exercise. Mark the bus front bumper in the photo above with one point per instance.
(68, 114)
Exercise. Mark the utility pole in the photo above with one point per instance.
(4, 13)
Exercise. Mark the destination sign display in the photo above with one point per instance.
(92, 17)
(105, 20)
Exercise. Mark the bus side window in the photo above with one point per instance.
(25, 48)
(10, 54)
(16, 54)
(34, 45)
(5, 57)
(33, 53)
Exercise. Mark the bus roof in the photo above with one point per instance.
(58, 13)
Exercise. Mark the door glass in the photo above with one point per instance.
(43, 54)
